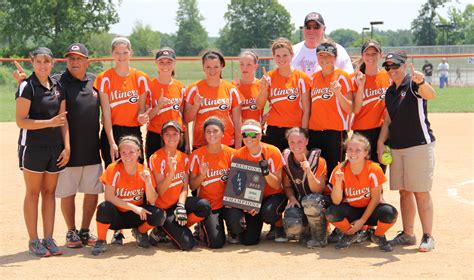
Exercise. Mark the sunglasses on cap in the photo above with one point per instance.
(326, 48)
(251, 134)
(315, 27)
(391, 66)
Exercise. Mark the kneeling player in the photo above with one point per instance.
(357, 183)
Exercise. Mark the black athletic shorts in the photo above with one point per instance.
(39, 159)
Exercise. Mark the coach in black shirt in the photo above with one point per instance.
(411, 140)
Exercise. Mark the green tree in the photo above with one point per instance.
(191, 37)
(253, 24)
(344, 37)
(54, 23)
(462, 22)
(99, 44)
(168, 40)
(144, 40)
(424, 26)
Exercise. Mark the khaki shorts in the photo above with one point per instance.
(412, 168)
(83, 179)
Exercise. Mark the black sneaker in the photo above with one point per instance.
(335, 236)
(99, 247)
(280, 235)
(232, 238)
(72, 239)
(87, 238)
(118, 237)
(403, 239)
(271, 233)
(157, 236)
(364, 235)
(346, 241)
(382, 242)
(142, 238)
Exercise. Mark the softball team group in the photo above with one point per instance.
(316, 173)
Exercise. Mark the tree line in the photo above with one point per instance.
(249, 24)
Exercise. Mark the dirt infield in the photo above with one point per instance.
(453, 257)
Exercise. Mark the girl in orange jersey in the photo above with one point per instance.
(370, 84)
(122, 98)
(127, 183)
(274, 199)
(209, 170)
(249, 86)
(166, 99)
(357, 196)
(170, 170)
(287, 91)
(331, 106)
(214, 97)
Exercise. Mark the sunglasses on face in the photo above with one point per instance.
(325, 48)
(250, 134)
(391, 66)
(315, 27)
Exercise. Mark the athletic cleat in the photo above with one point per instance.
(233, 238)
(52, 247)
(87, 238)
(364, 235)
(403, 239)
(427, 243)
(36, 248)
(280, 235)
(72, 239)
(382, 242)
(157, 236)
(346, 241)
(142, 238)
(335, 236)
(100, 247)
(118, 237)
(271, 233)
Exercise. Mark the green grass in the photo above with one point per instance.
(453, 99)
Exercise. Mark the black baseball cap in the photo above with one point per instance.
(371, 44)
(396, 57)
(41, 50)
(166, 53)
(77, 48)
(317, 17)
(173, 124)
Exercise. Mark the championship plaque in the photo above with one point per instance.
(244, 189)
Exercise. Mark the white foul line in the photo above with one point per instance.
(453, 192)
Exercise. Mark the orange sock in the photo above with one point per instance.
(192, 219)
(279, 223)
(102, 230)
(144, 228)
(343, 225)
(382, 228)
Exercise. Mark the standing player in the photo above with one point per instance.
(412, 142)
(305, 58)
(287, 91)
(127, 183)
(123, 93)
(209, 171)
(166, 99)
(248, 226)
(357, 196)
(249, 86)
(214, 97)
(331, 106)
(370, 83)
(43, 148)
(443, 73)
(428, 71)
(170, 170)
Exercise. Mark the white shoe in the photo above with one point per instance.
(427, 243)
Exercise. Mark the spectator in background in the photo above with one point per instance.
(428, 71)
(443, 73)
(305, 58)
(458, 75)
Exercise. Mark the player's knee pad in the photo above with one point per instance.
(313, 205)
(105, 212)
(293, 221)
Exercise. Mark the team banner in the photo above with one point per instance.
(244, 189)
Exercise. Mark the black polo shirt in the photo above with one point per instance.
(45, 104)
(408, 111)
(83, 109)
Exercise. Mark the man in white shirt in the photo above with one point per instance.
(443, 73)
(305, 58)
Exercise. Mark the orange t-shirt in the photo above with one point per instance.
(123, 94)
(159, 163)
(373, 102)
(218, 102)
(326, 112)
(357, 188)
(249, 105)
(129, 188)
(172, 111)
(285, 97)
(275, 162)
(213, 186)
